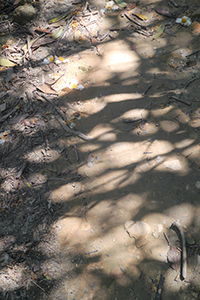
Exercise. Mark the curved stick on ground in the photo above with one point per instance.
(73, 132)
(176, 226)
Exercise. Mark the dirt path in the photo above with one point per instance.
(85, 202)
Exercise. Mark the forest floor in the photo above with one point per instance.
(100, 151)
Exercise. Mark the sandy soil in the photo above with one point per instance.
(65, 200)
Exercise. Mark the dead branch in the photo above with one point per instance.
(176, 226)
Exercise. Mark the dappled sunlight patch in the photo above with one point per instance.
(118, 57)
(158, 252)
(108, 181)
(65, 192)
(145, 128)
(184, 143)
(161, 111)
(182, 212)
(131, 179)
(12, 278)
(122, 97)
(117, 211)
(135, 114)
(175, 164)
(109, 137)
(100, 130)
(73, 234)
(39, 154)
(192, 153)
(92, 106)
(124, 154)
(169, 126)
(153, 219)
(195, 123)
(92, 146)
(118, 156)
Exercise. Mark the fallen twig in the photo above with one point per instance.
(61, 36)
(197, 51)
(76, 153)
(180, 100)
(60, 119)
(93, 251)
(176, 226)
(8, 114)
(147, 90)
(38, 286)
(72, 132)
(132, 19)
(187, 85)
(29, 47)
(160, 286)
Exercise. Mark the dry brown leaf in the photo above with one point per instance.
(45, 88)
(174, 257)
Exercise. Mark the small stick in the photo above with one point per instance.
(20, 172)
(176, 226)
(174, 3)
(29, 46)
(147, 90)
(72, 132)
(187, 85)
(160, 286)
(94, 251)
(180, 100)
(65, 29)
(193, 53)
(76, 153)
(60, 119)
(38, 286)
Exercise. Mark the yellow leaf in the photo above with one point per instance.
(6, 63)
(28, 184)
(141, 17)
(57, 19)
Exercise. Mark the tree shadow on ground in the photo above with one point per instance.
(121, 178)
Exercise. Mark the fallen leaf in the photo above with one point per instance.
(57, 34)
(57, 19)
(45, 88)
(164, 12)
(44, 30)
(131, 6)
(121, 3)
(159, 31)
(2, 107)
(174, 257)
(6, 63)
(141, 17)
(28, 184)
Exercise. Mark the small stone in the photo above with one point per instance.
(160, 227)
(197, 184)
(116, 273)
(24, 13)
(155, 235)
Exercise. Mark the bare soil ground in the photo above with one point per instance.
(108, 133)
